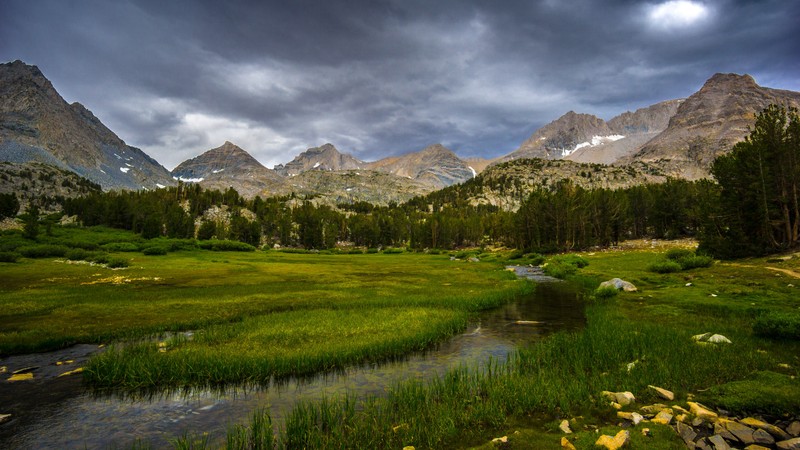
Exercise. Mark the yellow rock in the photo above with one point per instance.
(565, 443)
(663, 417)
(702, 412)
(409, 447)
(502, 440)
(71, 372)
(3, 369)
(613, 443)
(21, 377)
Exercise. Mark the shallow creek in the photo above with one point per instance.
(61, 413)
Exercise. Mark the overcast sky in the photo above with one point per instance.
(379, 78)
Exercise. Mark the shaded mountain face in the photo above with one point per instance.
(37, 125)
(435, 166)
(325, 157)
(561, 137)
(709, 123)
(230, 166)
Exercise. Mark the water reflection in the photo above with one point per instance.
(103, 419)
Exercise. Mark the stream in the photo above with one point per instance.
(61, 413)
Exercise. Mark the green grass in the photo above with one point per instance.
(563, 376)
(255, 314)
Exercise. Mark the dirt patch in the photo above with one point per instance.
(791, 273)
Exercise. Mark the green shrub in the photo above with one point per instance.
(225, 246)
(516, 254)
(668, 266)
(573, 260)
(85, 245)
(77, 254)
(43, 251)
(695, 261)
(354, 251)
(293, 250)
(392, 251)
(603, 293)
(121, 247)
(155, 250)
(117, 263)
(372, 251)
(780, 325)
(9, 257)
(679, 253)
(533, 259)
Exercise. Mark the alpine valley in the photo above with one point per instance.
(674, 138)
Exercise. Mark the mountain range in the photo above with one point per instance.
(678, 137)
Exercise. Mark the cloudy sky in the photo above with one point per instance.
(384, 77)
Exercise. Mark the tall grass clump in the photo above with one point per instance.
(155, 251)
(9, 257)
(121, 247)
(563, 266)
(259, 435)
(43, 251)
(678, 259)
(778, 325)
(664, 267)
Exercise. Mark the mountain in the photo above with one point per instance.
(37, 125)
(709, 123)
(42, 184)
(325, 157)
(590, 139)
(230, 166)
(631, 130)
(435, 166)
(352, 186)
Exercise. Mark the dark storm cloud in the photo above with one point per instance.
(384, 77)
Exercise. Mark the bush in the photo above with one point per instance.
(121, 247)
(778, 325)
(573, 260)
(668, 266)
(603, 293)
(117, 263)
(392, 251)
(85, 245)
(43, 251)
(225, 246)
(516, 254)
(695, 261)
(101, 258)
(77, 254)
(9, 257)
(533, 259)
(152, 251)
(679, 253)
(372, 251)
(293, 250)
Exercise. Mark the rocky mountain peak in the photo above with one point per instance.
(324, 157)
(730, 81)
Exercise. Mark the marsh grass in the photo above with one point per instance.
(563, 375)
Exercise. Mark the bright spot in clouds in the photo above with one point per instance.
(676, 14)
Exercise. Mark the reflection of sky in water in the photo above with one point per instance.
(102, 421)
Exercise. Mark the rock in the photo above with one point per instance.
(647, 432)
(664, 417)
(685, 432)
(677, 408)
(789, 444)
(528, 322)
(794, 428)
(474, 259)
(623, 398)
(663, 393)
(409, 447)
(702, 444)
(71, 372)
(5, 418)
(701, 337)
(24, 370)
(632, 417)
(742, 432)
(762, 437)
(702, 412)
(613, 443)
(776, 432)
(619, 284)
(719, 339)
(756, 447)
(564, 427)
(718, 442)
(500, 440)
(655, 408)
(565, 443)
(722, 431)
(21, 377)
(616, 405)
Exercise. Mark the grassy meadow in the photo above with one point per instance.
(252, 315)
(527, 396)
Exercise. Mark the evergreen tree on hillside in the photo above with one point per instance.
(759, 208)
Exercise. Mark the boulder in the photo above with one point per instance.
(742, 432)
(632, 417)
(619, 284)
(623, 398)
(686, 432)
(702, 412)
(565, 443)
(794, 428)
(762, 437)
(663, 393)
(564, 427)
(655, 408)
(718, 442)
(756, 447)
(613, 443)
(789, 444)
(500, 440)
(722, 431)
(711, 338)
(663, 417)
(776, 432)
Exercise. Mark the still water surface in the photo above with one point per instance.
(87, 420)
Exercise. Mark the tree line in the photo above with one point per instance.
(751, 209)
